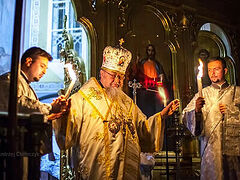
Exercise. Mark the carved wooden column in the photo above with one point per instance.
(184, 26)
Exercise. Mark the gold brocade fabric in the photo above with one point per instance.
(106, 136)
(211, 136)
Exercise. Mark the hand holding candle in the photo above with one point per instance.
(199, 104)
(222, 108)
(199, 77)
(60, 108)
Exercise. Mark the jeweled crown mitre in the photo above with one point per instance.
(116, 59)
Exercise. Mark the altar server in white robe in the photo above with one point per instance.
(215, 118)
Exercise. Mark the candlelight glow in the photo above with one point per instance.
(72, 76)
(162, 94)
(70, 71)
(200, 69)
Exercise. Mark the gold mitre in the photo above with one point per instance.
(116, 59)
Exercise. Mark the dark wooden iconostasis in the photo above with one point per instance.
(217, 46)
(174, 30)
(178, 33)
(146, 27)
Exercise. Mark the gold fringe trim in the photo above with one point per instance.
(107, 152)
(159, 125)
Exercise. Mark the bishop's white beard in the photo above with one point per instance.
(117, 97)
(114, 93)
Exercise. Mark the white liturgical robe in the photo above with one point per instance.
(208, 124)
(27, 103)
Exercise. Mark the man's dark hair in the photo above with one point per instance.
(150, 45)
(34, 53)
(224, 64)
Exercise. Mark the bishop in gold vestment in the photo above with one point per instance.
(107, 130)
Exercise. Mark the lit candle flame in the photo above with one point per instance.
(199, 77)
(71, 71)
(162, 95)
(72, 76)
(200, 69)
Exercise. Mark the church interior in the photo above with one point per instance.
(178, 29)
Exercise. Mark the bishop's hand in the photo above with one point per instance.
(170, 108)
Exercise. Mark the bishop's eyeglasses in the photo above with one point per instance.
(115, 75)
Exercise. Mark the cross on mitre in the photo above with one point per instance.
(121, 41)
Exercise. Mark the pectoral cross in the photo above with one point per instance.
(135, 86)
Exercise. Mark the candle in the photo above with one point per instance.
(199, 77)
(73, 77)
